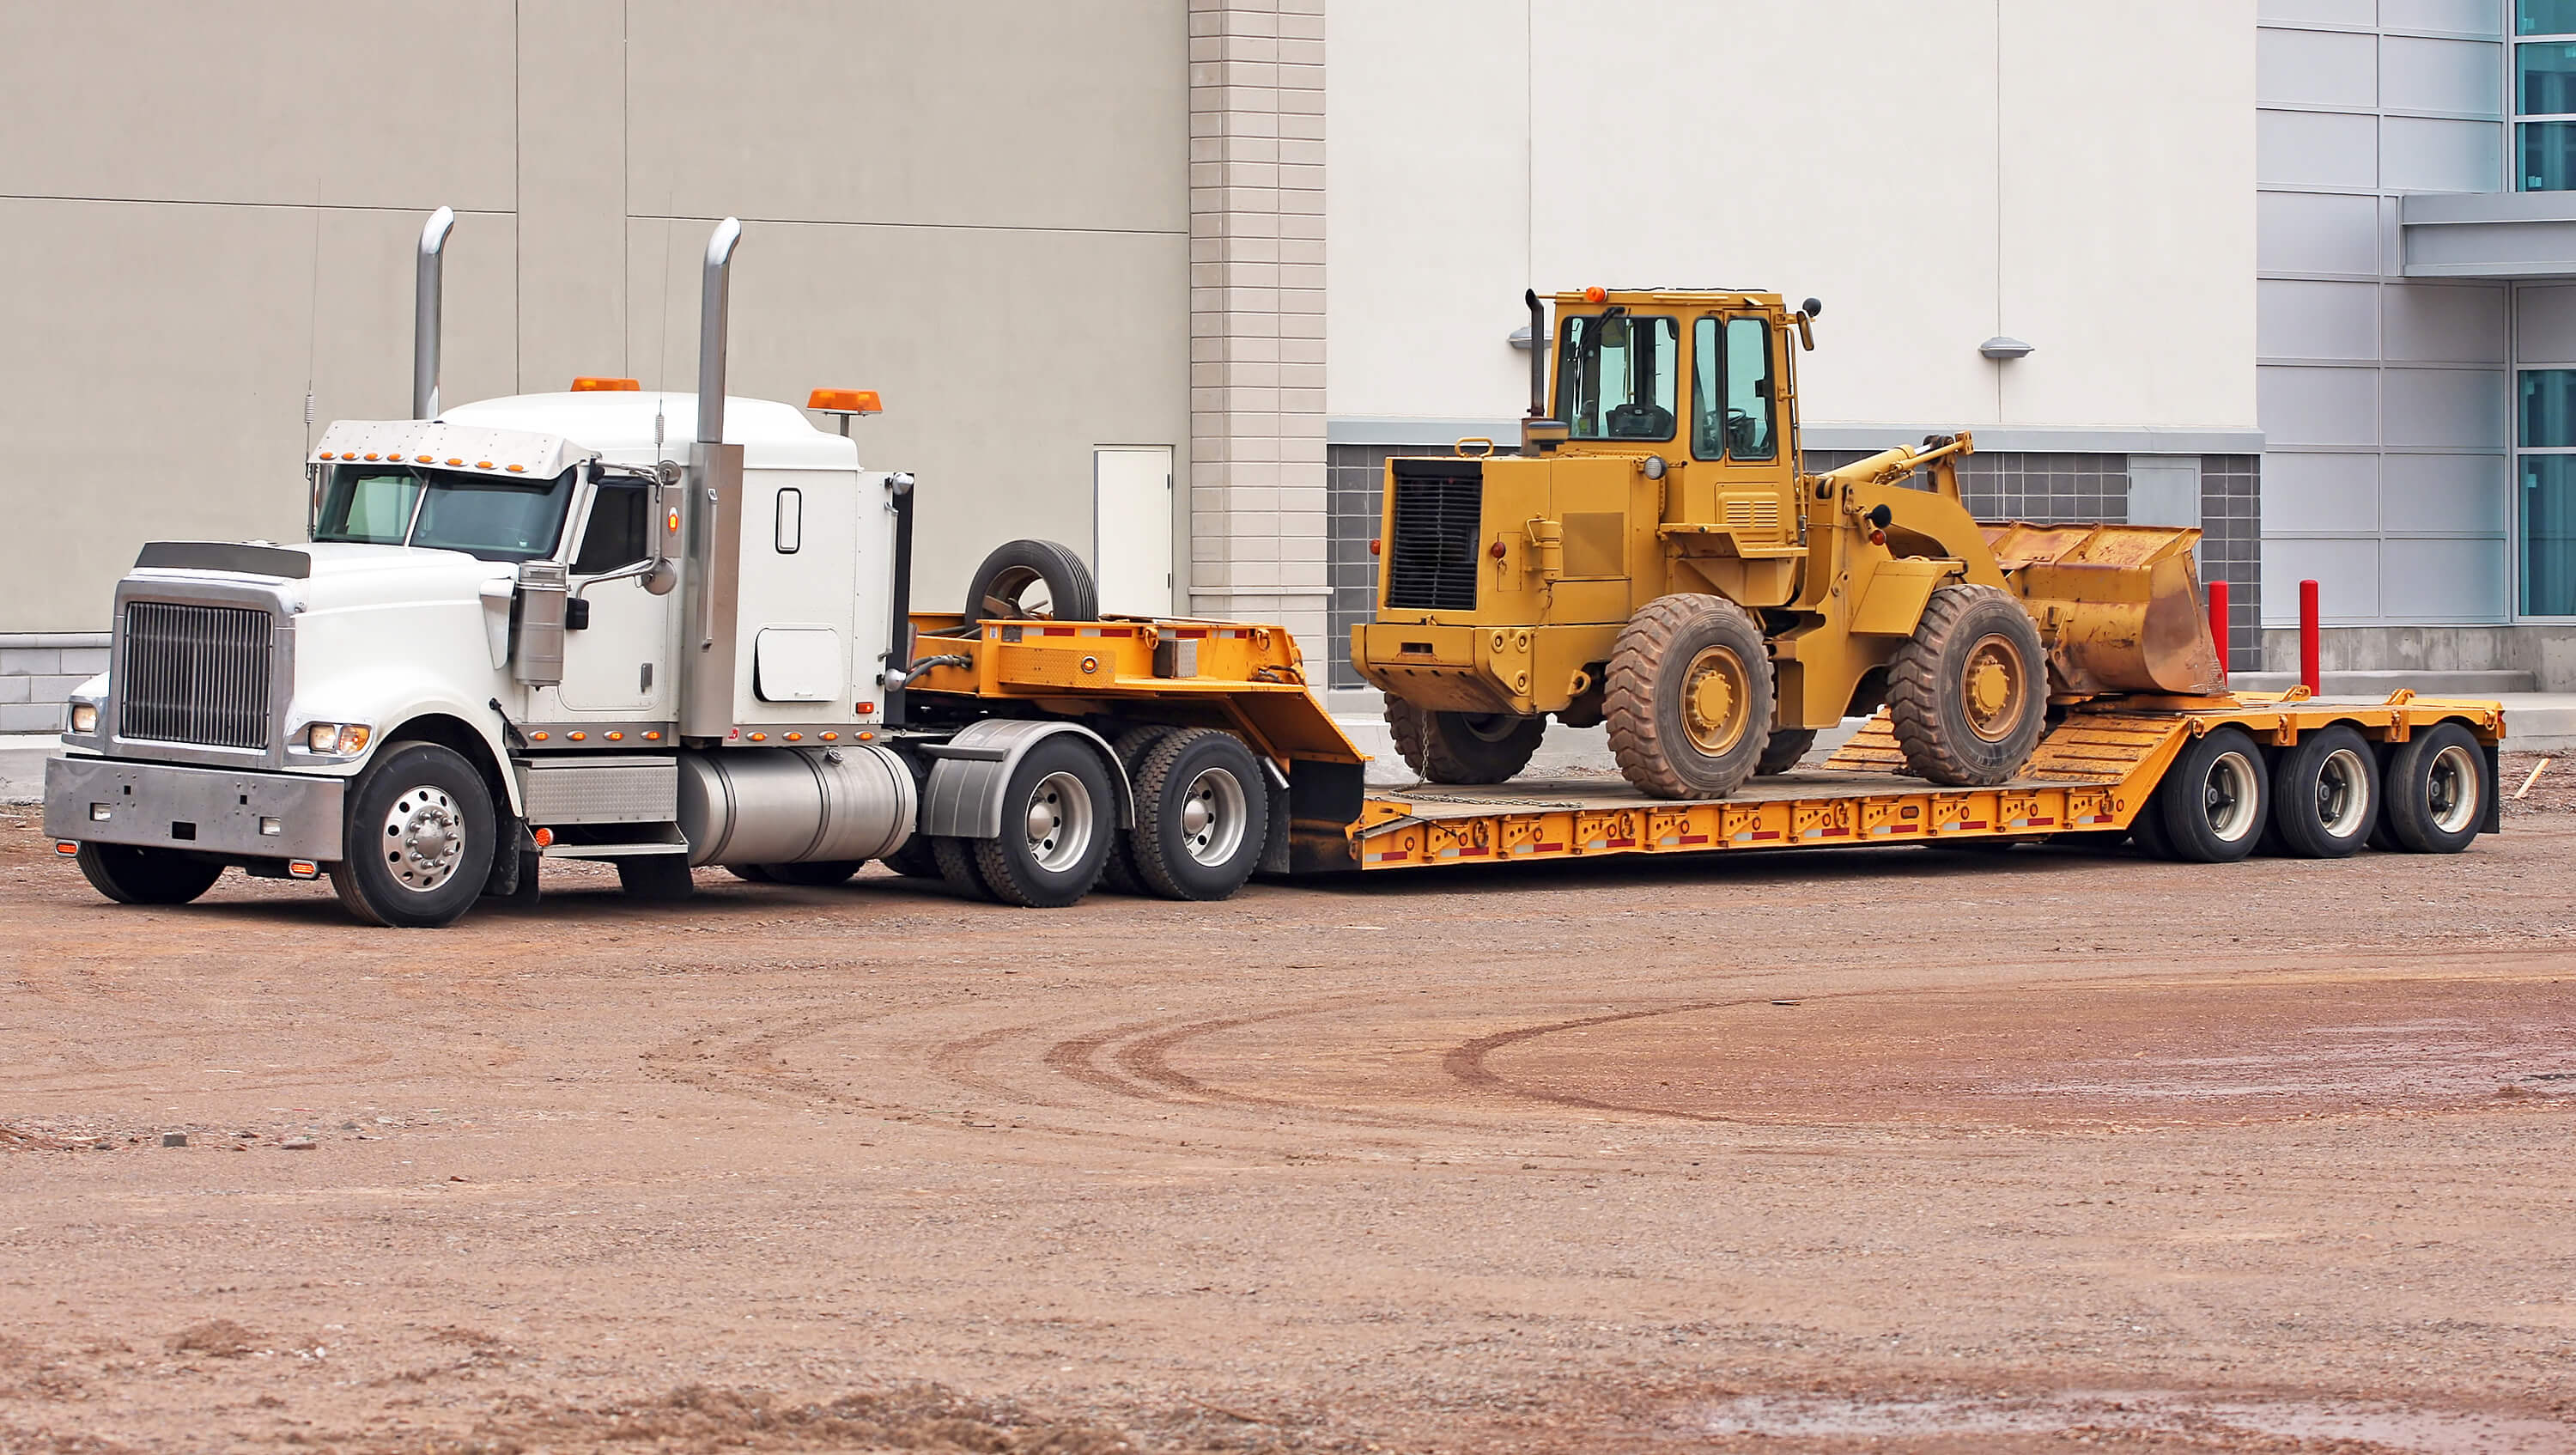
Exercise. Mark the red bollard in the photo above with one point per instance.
(2218, 624)
(2308, 637)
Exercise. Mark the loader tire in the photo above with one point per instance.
(1004, 588)
(1689, 699)
(1119, 875)
(1782, 752)
(1968, 692)
(1463, 747)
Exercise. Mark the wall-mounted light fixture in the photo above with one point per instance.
(2002, 347)
(1521, 337)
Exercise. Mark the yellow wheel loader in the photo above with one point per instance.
(1655, 559)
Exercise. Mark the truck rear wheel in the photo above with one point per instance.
(1032, 581)
(1689, 700)
(1462, 747)
(1058, 816)
(1118, 873)
(2325, 794)
(914, 859)
(2214, 799)
(130, 874)
(2436, 790)
(956, 860)
(1202, 815)
(1968, 692)
(419, 839)
(1782, 752)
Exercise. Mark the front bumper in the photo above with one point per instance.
(209, 810)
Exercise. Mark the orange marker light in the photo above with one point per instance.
(653, 737)
(420, 459)
(617, 737)
(795, 737)
(370, 455)
(599, 384)
(867, 707)
(1595, 295)
(454, 461)
(537, 737)
(672, 521)
(544, 837)
(577, 737)
(516, 469)
(831, 737)
(760, 737)
(867, 737)
(66, 847)
(844, 401)
(482, 464)
(1374, 546)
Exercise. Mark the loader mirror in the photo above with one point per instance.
(1879, 516)
(1813, 308)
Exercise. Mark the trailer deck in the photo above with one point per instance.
(2092, 773)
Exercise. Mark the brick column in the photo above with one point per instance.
(1257, 314)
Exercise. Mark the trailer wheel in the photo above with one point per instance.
(956, 860)
(1689, 699)
(914, 859)
(1202, 815)
(656, 878)
(1782, 752)
(1032, 581)
(420, 834)
(814, 874)
(130, 874)
(2436, 790)
(1462, 747)
(2214, 799)
(1118, 873)
(1968, 692)
(2325, 794)
(1058, 816)
(2147, 830)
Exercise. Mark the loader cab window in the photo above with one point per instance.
(1733, 415)
(492, 518)
(1615, 376)
(620, 516)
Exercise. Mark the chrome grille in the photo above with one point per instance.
(194, 674)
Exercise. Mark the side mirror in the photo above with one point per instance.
(1813, 308)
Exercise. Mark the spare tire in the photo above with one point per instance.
(1032, 581)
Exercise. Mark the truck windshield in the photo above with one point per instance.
(1615, 377)
(491, 519)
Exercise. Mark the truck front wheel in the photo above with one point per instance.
(131, 875)
(418, 841)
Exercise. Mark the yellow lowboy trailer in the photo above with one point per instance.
(2199, 779)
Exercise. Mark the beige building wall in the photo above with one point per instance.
(980, 208)
(1938, 171)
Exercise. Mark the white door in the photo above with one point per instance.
(1131, 550)
(613, 665)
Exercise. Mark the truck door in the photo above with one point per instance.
(1737, 430)
(620, 662)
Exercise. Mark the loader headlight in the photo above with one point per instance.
(336, 739)
(84, 718)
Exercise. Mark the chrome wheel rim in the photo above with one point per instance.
(2451, 789)
(1059, 822)
(424, 838)
(2343, 793)
(1212, 817)
(2228, 800)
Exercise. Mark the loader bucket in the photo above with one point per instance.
(2118, 604)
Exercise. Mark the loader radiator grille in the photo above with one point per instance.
(1431, 547)
(194, 674)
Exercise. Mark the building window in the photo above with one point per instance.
(2544, 94)
(2546, 502)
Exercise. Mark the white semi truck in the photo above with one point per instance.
(521, 629)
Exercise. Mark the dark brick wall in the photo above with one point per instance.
(2231, 549)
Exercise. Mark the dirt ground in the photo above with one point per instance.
(1883, 1150)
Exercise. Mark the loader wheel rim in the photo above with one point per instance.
(1717, 700)
(2343, 793)
(2451, 789)
(424, 839)
(1212, 817)
(1059, 822)
(1993, 688)
(2229, 800)
(1489, 727)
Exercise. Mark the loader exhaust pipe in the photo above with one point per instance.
(1538, 354)
(712, 307)
(424, 314)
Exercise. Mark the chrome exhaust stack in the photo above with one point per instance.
(424, 314)
(713, 579)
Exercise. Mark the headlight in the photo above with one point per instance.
(336, 739)
(84, 718)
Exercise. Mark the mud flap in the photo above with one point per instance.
(1324, 800)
